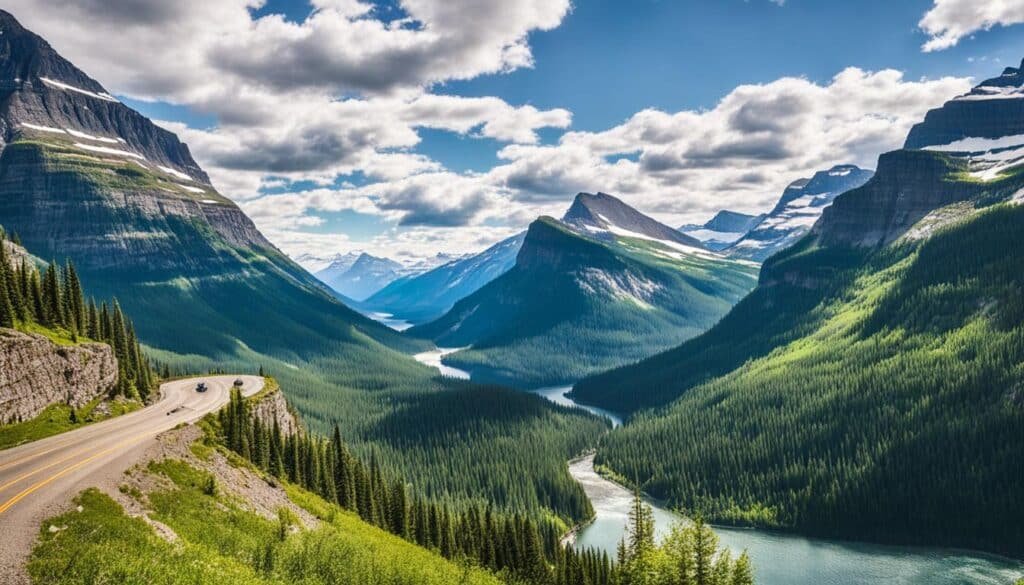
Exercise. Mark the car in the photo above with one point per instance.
(201, 387)
(239, 382)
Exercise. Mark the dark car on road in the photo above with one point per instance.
(201, 387)
(239, 382)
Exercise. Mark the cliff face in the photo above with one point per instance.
(39, 87)
(35, 372)
(993, 109)
(273, 407)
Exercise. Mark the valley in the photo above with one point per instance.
(397, 314)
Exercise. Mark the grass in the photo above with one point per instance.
(219, 541)
(58, 335)
(56, 419)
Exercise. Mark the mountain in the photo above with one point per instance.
(722, 230)
(801, 204)
(206, 290)
(871, 382)
(587, 293)
(360, 277)
(425, 297)
(85, 177)
(605, 217)
(989, 111)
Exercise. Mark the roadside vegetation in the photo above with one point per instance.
(60, 418)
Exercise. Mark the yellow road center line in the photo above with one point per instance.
(28, 491)
(37, 470)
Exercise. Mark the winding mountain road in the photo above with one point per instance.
(37, 480)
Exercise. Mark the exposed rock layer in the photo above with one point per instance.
(35, 372)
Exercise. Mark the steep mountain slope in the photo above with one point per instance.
(85, 177)
(361, 277)
(589, 296)
(801, 204)
(723, 230)
(206, 290)
(427, 296)
(870, 384)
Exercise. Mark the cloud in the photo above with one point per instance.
(948, 21)
(188, 49)
(678, 166)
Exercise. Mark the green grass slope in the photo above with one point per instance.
(573, 306)
(881, 398)
(221, 542)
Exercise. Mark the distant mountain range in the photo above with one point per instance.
(425, 297)
(605, 285)
(758, 237)
(722, 230)
(799, 207)
(359, 277)
(882, 351)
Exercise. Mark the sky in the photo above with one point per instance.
(408, 128)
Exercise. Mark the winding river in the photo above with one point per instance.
(778, 559)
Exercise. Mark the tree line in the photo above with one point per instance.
(54, 299)
(513, 545)
(689, 555)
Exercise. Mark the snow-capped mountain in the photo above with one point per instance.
(722, 230)
(429, 295)
(359, 277)
(970, 148)
(800, 206)
(992, 110)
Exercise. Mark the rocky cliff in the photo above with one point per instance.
(35, 372)
(993, 109)
(270, 406)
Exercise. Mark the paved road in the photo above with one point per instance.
(38, 479)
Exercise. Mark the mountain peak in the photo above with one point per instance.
(604, 216)
(991, 110)
(45, 97)
(26, 58)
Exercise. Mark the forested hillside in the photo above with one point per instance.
(891, 399)
(575, 304)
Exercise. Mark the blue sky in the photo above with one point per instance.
(413, 127)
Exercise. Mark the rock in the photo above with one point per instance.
(801, 204)
(35, 372)
(273, 406)
(993, 109)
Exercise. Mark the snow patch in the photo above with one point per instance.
(105, 150)
(78, 134)
(987, 93)
(208, 200)
(59, 85)
(192, 189)
(840, 173)
(43, 128)
(174, 173)
(979, 144)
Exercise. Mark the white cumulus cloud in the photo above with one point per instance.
(949, 21)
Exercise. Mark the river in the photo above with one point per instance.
(778, 558)
(782, 559)
(433, 359)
